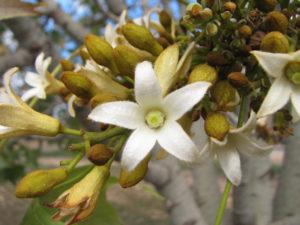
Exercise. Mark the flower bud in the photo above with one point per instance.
(225, 96)
(245, 31)
(131, 178)
(276, 21)
(216, 126)
(165, 19)
(126, 60)
(140, 37)
(266, 5)
(292, 72)
(67, 65)
(40, 182)
(194, 9)
(215, 59)
(102, 98)
(99, 154)
(230, 6)
(211, 29)
(226, 15)
(275, 42)
(238, 79)
(206, 14)
(163, 42)
(203, 72)
(79, 85)
(84, 54)
(101, 51)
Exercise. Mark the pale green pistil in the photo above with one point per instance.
(155, 119)
(292, 72)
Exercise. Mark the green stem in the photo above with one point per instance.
(3, 143)
(33, 102)
(70, 131)
(73, 162)
(116, 149)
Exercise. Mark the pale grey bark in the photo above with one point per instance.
(115, 6)
(106, 13)
(287, 201)
(293, 220)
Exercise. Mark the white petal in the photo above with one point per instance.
(71, 109)
(109, 33)
(15, 100)
(249, 147)
(137, 147)
(230, 162)
(182, 100)
(175, 141)
(272, 63)
(296, 55)
(124, 114)
(295, 97)
(33, 79)
(147, 89)
(277, 96)
(42, 65)
(248, 126)
(33, 92)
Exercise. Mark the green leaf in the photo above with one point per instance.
(38, 214)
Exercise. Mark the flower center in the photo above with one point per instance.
(155, 119)
(292, 72)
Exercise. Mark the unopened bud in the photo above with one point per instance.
(276, 21)
(266, 5)
(215, 59)
(79, 85)
(140, 37)
(99, 154)
(193, 9)
(275, 42)
(40, 182)
(163, 42)
(165, 19)
(102, 98)
(226, 15)
(203, 72)
(230, 6)
(131, 178)
(126, 60)
(101, 51)
(216, 126)
(84, 54)
(238, 79)
(245, 31)
(206, 14)
(67, 65)
(211, 29)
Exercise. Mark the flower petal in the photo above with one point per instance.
(34, 92)
(248, 126)
(175, 141)
(41, 64)
(137, 147)
(182, 100)
(70, 103)
(123, 113)
(278, 95)
(147, 89)
(295, 97)
(249, 147)
(34, 79)
(273, 63)
(230, 162)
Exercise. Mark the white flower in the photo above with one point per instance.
(285, 68)
(153, 117)
(227, 151)
(39, 80)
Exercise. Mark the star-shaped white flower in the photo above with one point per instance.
(285, 68)
(153, 117)
(39, 80)
(227, 151)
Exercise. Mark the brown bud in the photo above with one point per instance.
(215, 59)
(266, 5)
(99, 154)
(102, 98)
(67, 65)
(256, 39)
(230, 6)
(245, 31)
(163, 42)
(206, 14)
(238, 79)
(276, 21)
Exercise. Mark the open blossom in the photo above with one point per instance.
(227, 150)
(285, 68)
(17, 118)
(153, 118)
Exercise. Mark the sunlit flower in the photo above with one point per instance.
(285, 68)
(227, 150)
(81, 199)
(153, 118)
(18, 119)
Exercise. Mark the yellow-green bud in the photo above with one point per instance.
(226, 15)
(238, 79)
(140, 37)
(211, 29)
(126, 60)
(245, 31)
(165, 19)
(131, 178)
(203, 72)
(40, 182)
(67, 65)
(276, 21)
(275, 42)
(79, 85)
(292, 72)
(225, 95)
(102, 98)
(230, 6)
(194, 6)
(266, 5)
(99, 154)
(216, 126)
(101, 51)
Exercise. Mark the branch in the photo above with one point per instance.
(106, 13)
(64, 20)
